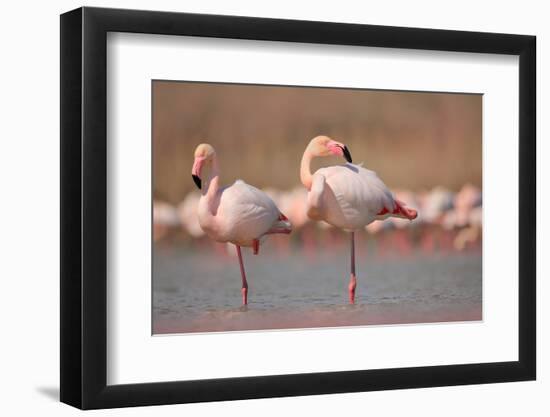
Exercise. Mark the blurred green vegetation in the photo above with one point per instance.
(413, 140)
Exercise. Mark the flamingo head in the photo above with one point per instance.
(204, 155)
(325, 146)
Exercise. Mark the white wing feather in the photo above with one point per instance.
(353, 196)
(245, 213)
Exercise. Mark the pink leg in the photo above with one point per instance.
(244, 289)
(353, 280)
(255, 246)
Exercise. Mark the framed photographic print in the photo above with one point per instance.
(258, 207)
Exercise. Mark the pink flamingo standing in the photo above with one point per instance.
(294, 205)
(401, 235)
(434, 206)
(346, 196)
(165, 218)
(240, 213)
(187, 213)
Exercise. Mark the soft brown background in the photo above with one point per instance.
(413, 140)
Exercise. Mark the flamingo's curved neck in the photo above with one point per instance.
(305, 170)
(212, 185)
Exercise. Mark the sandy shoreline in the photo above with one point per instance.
(241, 319)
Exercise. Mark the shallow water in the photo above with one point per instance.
(199, 290)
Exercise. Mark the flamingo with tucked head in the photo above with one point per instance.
(346, 196)
(240, 213)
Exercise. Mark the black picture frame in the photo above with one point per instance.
(84, 207)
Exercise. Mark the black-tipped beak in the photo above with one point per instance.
(347, 155)
(197, 181)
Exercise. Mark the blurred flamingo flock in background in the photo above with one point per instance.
(447, 222)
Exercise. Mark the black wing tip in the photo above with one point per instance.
(197, 181)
